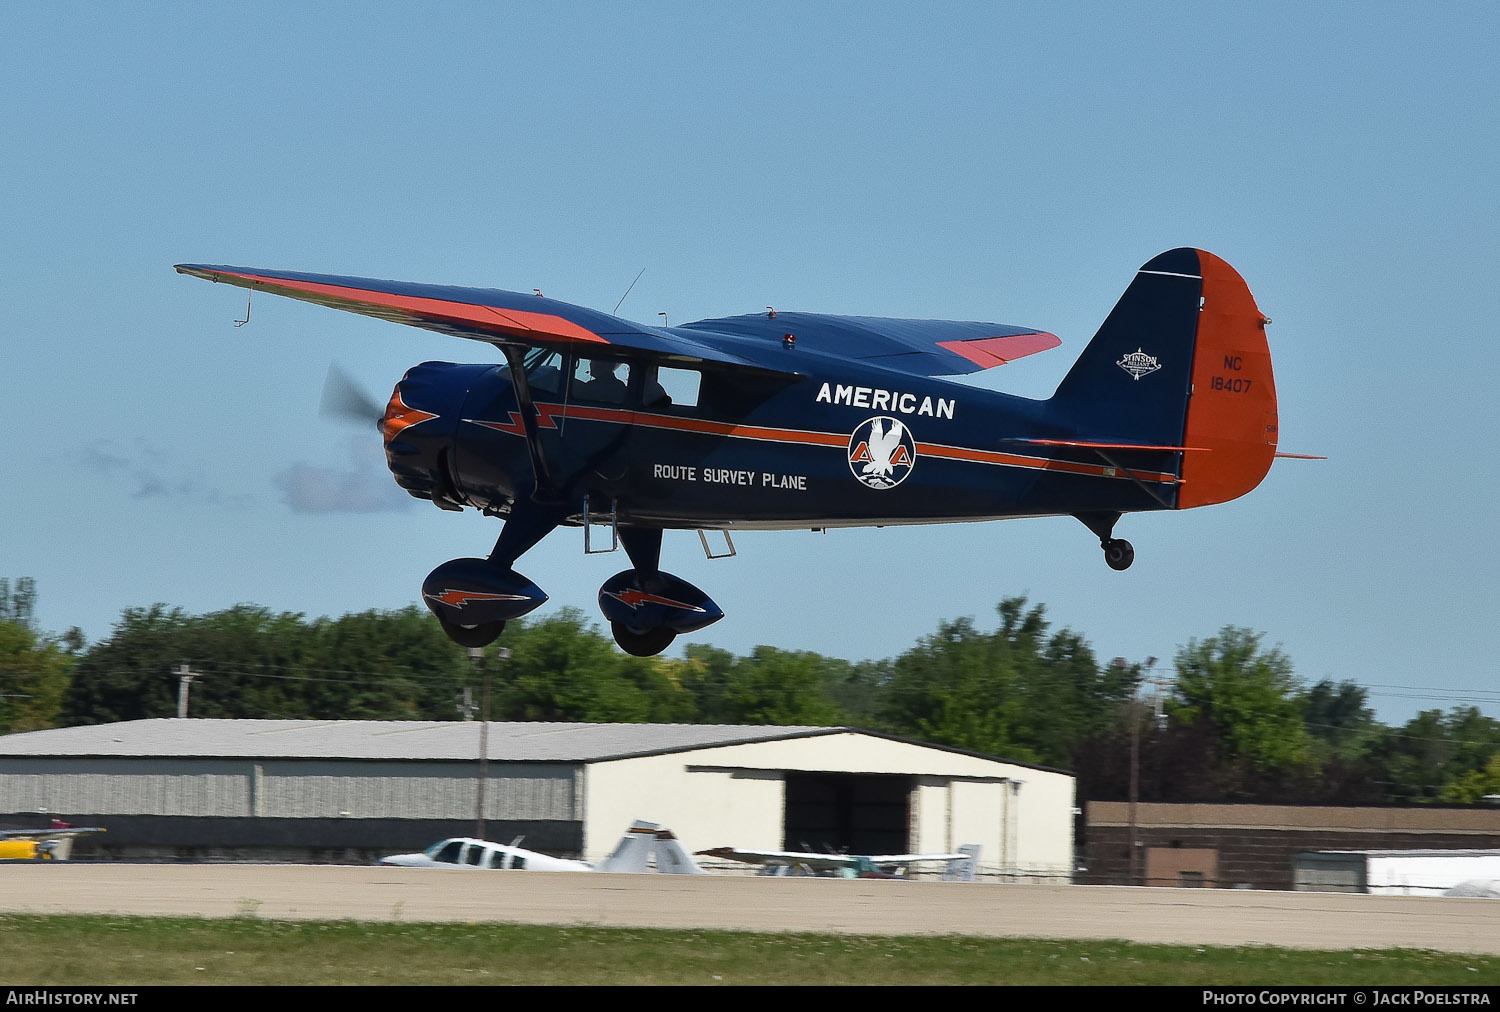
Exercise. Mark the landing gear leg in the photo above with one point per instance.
(474, 598)
(1118, 553)
(643, 545)
(525, 526)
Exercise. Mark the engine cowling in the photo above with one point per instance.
(438, 411)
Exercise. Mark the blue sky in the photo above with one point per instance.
(1003, 162)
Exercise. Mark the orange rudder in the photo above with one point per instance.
(1231, 411)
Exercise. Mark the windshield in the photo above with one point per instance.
(445, 851)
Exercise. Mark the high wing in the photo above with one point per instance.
(495, 316)
(920, 347)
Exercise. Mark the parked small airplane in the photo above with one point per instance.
(788, 420)
(961, 867)
(644, 846)
(55, 844)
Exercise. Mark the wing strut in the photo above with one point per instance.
(545, 490)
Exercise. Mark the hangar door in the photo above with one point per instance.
(858, 814)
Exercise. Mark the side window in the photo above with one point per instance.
(671, 387)
(600, 381)
(475, 856)
(497, 859)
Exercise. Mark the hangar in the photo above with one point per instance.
(349, 791)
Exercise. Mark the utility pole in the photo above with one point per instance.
(476, 655)
(184, 679)
(1135, 777)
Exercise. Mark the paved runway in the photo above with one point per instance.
(1178, 916)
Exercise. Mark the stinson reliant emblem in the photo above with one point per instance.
(1139, 364)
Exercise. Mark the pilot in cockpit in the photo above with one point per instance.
(603, 385)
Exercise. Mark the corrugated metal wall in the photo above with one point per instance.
(289, 789)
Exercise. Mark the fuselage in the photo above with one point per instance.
(841, 443)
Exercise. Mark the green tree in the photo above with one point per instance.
(34, 668)
(1346, 743)
(256, 663)
(18, 604)
(1019, 692)
(563, 668)
(1435, 756)
(1246, 706)
(34, 674)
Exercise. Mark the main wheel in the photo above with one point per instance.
(643, 643)
(1118, 553)
(481, 635)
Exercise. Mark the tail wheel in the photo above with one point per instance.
(642, 643)
(481, 635)
(1119, 554)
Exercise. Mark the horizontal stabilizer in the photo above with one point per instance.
(1082, 444)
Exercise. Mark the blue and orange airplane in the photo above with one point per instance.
(785, 420)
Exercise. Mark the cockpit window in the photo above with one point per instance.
(600, 381)
(447, 851)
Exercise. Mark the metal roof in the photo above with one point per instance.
(171, 737)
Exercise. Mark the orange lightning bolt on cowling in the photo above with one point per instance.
(636, 598)
(459, 598)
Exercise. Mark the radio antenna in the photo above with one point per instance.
(627, 292)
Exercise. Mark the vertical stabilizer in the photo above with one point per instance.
(1181, 364)
(646, 847)
(632, 855)
(672, 858)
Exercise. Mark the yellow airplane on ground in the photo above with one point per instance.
(53, 844)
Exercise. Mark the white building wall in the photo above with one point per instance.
(976, 814)
(1425, 873)
(735, 796)
(705, 806)
(1041, 814)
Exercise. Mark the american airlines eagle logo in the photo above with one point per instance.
(882, 452)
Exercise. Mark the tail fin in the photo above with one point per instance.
(672, 858)
(1181, 362)
(646, 844)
